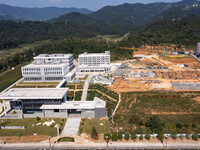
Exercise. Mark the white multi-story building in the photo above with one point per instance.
(47, 67)
(94, 62)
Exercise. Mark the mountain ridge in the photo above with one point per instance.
(37, 14)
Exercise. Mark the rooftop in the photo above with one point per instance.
(45, 65)
(97, 103)
(53, 55)
(95, 54)
(34, 93)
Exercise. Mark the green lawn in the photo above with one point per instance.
(78, 95)
(9, 77)
(87, 125)
(30, 129)
(66, 139)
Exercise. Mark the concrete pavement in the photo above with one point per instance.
(85, 88)
(72, 125)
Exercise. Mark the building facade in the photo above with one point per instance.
(47, 67)
(48, 102)
(94, 62)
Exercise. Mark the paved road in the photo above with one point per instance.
(198, 59)
(72, 125)
(85, 88)
(114, 145)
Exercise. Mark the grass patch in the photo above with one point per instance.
(70, 95)
(66, 139)
(104, 90)
(92, 94)
(85, 77)
(78, 95)
(87, 125)
(139, 106)
(7, 78)
(30, 129)
(70, 86)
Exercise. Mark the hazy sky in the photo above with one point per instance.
(90, 4)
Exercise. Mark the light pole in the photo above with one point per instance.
(165, 144)
(107, 141)
(49, 142)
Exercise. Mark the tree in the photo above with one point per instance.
(94, 133)
(160, 136)
(114, 137)
(187, 136)
(147, 136)
(195, 136)
(133, 136)
(179, 125)
(141, 123)
(141, 137)
(119, 136)
(126, 136)
(107, 135)
(155, 124)
(174, 135)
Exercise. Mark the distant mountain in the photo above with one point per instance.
(35, 14)
(135, 16)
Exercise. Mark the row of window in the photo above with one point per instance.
(53, 78)
(31, 69)
(50, 69)
(53, 73)
(32, 73)
(32, 78)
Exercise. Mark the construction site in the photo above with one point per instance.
(158, 70)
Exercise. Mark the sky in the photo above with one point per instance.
(89, 4)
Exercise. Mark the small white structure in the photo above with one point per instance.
(102, 80)
(94, 62)
(47, 67)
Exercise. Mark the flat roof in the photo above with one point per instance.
(97, 103)
(34, 93)
(95, 54)
(72, 105)
(53, 56)
(93, 67)
(45, 65)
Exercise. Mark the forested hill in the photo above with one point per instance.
(36, 14)
(14, 33)
(108, 20)
(183, 31)
(177, 13)
(135, 16)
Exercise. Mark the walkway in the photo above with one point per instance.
(85, 88)
(72, 125)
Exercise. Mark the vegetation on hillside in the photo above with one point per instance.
(183, 31)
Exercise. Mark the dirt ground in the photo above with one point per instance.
(23, 139)
(191, 62)
(142, 53)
